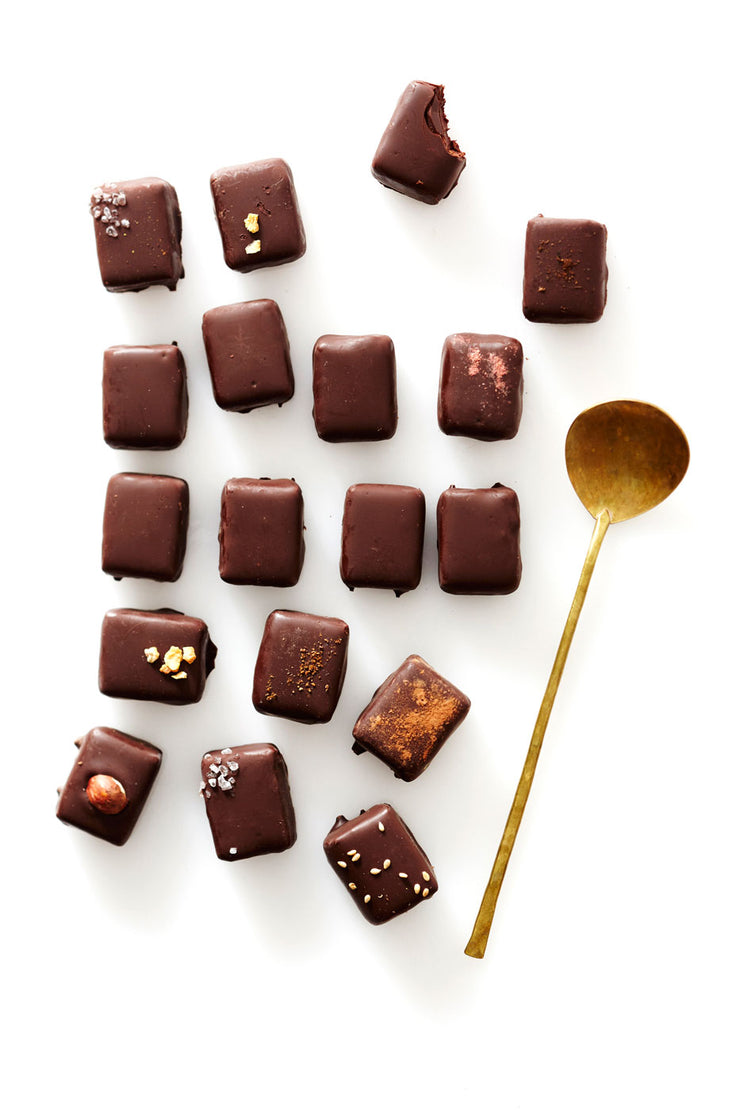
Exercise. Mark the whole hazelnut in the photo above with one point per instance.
(106, 794)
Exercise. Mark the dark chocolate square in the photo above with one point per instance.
(145, 397)
(145, 525)
(138, 228)
(248, 801)
(257, 213)
(416, 156)
(248, 355)
(109, 784)
(478, 541)
(261, 535)
(564, 271)
(480, 386)
(135, 646)
(300, 666)
(382, 537)
(354, 388)
(409, 718)
(380, 863)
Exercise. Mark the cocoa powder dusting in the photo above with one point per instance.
(418, 712)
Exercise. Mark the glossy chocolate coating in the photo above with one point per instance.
(480, 386)
(378, 840)
(382, 537)
(354, 388)
(145, 397)
(416, 156)
(124, 671)
(300, 666)
(409, 718)
(105, 751)
(478, 541)
(564, 271)
(248, 801)
(145, 526)
(266, 190)
(138, 229)
(261, 535)
(248, 355)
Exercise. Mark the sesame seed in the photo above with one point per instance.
(374, 870)
(417, 888)
(386, 864)
(367, 898)
(341, 863)
(352, 886)
(425, 876)
(425, 891)
(381, 826)
(355, 857)
(402, 875)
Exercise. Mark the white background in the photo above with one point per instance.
(156, 975)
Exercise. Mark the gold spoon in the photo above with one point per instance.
(623, 458)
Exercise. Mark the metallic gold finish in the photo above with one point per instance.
(623, 458)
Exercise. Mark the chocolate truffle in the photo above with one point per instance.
(248, 801)
(382, 537)
(261, 535)
(354, 388)
(155, 655)
(300, 666)
(409, 718)
(564, 271)
(478, 540)
(380, 863)
(248, 355)
(416, 156)
(145, 397)
(145, 526)
(109, 783)
(137, 232)
(480, 386)
(257, 213)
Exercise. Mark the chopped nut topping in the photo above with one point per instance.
(151, 654)
(254, 247)
(181, 674)
(165, 669)
(352, 886)
(188, 654)
(106, 794)
(252, 222)
(173, 658)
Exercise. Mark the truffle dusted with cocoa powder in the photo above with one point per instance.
(300, 666)
(409, 718)
(416, 156)
(564, 271)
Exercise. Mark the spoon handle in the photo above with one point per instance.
(479, 937)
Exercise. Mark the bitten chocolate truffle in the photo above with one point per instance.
(155, 655)
(382, 537)
(354, 388)
(138, 228)
(248, 355)
(300, 666)
(109, 784)
(416, 156)
(257, 213)
(145, 397)
(261, 535)
(409, 718)
(380, 863)
(248, 801)
(478, 540)
(564, 271)
(480, 386)
(145, 526)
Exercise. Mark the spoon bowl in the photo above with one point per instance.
(623, 458)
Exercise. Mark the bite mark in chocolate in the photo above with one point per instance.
(409, 718)
(110, 781)
(381, 864)
(300, 666)
(248, 803)
(138, 228)
(416, 156)
(565, 271)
